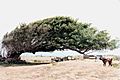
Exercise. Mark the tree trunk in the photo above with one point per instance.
(14, 55)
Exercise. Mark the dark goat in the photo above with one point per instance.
(105, 60)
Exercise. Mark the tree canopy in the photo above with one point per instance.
(56, 33)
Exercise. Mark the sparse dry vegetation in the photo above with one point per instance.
(66, 70)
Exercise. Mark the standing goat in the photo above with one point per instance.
(105, 60)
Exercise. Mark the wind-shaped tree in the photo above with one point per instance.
(56, 33)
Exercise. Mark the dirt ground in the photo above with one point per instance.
(67, 70)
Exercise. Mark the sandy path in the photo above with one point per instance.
(68, 70)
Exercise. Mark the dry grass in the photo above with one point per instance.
(68, 70)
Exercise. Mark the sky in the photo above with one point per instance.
(103, 14)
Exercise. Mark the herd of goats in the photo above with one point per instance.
(104, 59)
(57, 59)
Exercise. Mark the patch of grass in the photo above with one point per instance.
(116, 65)
(54, 63)
(20, 64)
(115, 58)
(37, 61)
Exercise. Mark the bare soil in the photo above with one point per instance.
(67, 70)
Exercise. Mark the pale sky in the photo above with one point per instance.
(104, 14)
